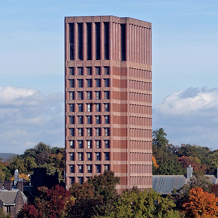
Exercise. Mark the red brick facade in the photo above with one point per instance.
(108, 99)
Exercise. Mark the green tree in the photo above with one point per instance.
(2, 214)
(159, 138)
(139, 204)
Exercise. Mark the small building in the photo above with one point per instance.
(11, 200)
(165, 184)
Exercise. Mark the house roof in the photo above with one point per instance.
(9, 197)
(165, 184)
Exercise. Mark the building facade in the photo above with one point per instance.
(108, 99)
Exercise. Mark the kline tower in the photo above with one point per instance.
(108, 99)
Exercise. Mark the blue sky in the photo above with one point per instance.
(185, 51)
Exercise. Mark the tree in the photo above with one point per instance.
(52, 203)
(201, 204)
(2, 175)
(197, 181)
(194, 162)
(143, 204)
(2, 214)
(159, 138)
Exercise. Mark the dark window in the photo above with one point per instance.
(89, 83)
(71, 95)
(106, 70)
(98, 71)
(80, 131)
(97, 40)
(98, 144)
(80, 143)
(80, 106)
(107, 157)
(80, 156)
(98, 95)
(106, 107)
(71, 71)
(80, 95)
(98, 155)
(72, 144)
(80, 167)
(89, 168)
(80, 71)
(72, 156)
(123, 42)
(71, 25)
(98, 168)
(98, 131)
(80, 119)
(106, 41)
(98, 107)
(89, 41)
(106, 119)
(89, 70)
(80, 180)
(89, 144)
(106, 131)
(98, 82)
(72, 180)
(80, 41)
(71, 107)
(89, 95)
(106, 95)
(71, 131)
(89, 131)
(71, 119)
(106, 144)
(106, 82)
(107, 167)
(89, 155)
(71, 83)
(89, 119)
(98, 119)
(72, 169)
(80, 83)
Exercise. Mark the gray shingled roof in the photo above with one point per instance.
(165, 184)
(9, 197)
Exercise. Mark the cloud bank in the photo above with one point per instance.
(28, 117)
(189, 116)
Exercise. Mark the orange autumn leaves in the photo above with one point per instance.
(154, 162)
(201, 204)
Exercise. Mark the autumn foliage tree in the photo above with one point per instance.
(201, 204)
(50, 203)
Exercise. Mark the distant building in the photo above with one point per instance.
(11, 200)
(108, 99)
(165, 184)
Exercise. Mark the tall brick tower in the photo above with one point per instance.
(108, 99)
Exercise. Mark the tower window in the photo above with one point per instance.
(80, 143)
(71, 26)
(98, 168)
(89, 41)
(123, 42)
(97, 40)
(80, 41)
(106, 41)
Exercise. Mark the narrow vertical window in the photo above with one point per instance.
(97, 40)
(80, 41)
(123, 42)
(106, 41)
(89, 41)
(71, 25)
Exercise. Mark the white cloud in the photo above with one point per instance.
(189, 116)
(28, 117)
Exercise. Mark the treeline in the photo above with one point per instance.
(172, 160)
(42, 155)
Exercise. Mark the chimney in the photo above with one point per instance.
(20, 185)
(1, 184)
(8, 185)
(189, 172)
